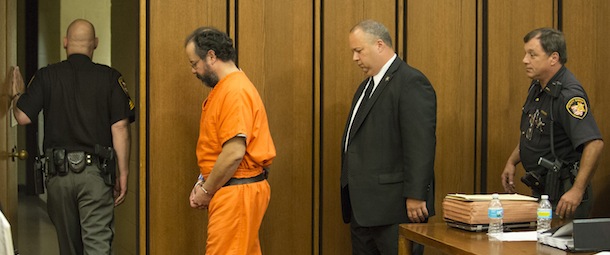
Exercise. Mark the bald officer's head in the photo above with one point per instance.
(80, 38)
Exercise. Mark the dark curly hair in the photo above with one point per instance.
(209, 38)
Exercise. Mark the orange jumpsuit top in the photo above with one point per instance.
(234, 108)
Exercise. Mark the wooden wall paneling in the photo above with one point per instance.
(399, 37)
(340, 78)
(444, 49)
(142, 116)
(8, 167)
(318, 141)
(586, 25)
(275, 46)
(175, 96)
(479, 102)
(507, 84)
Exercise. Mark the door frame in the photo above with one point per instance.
(8, 166)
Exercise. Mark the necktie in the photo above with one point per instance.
(365, 99)
(367, 94)
(360, 110)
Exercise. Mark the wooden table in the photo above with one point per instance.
(456, 241)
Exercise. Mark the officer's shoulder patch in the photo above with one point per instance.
(132, 105)
(577, 107)
(123, 85)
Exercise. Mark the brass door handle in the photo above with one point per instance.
(23, 154)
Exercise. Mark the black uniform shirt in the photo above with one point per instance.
(573, 124)
(80, 102)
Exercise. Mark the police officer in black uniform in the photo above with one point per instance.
(560, 142)
(87, 113)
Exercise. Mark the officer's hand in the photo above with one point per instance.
(508, 176)
(416, 210)
(120, 190)
(17, 85)
(568, 203)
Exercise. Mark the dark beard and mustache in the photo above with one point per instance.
(210, 78)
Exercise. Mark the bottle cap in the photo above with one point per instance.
(544, 196)
(495, 195)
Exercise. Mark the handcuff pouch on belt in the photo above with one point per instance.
(76, 161)
(535, 180)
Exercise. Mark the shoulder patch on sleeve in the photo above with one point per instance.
(577, 107)
(124, 87)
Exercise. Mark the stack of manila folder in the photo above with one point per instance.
(472, 209)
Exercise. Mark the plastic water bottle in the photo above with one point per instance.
(495, 214)
(545, 214)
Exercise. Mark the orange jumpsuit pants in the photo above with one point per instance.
(235, 215)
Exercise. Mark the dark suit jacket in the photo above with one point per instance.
(390, 155)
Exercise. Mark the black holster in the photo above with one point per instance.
(567, 177)
(39, 174)
(106, 163)
(559, 178)
(553, 184)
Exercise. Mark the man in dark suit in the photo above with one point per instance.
(387, 174)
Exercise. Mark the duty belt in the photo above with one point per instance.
(60, 162)
(239, 181)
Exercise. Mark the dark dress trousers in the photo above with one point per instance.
(390, 154)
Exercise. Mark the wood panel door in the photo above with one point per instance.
(586, 25)
(174, 96)
(8, 166)
(275, 45)
(445, 51)
(504, 81)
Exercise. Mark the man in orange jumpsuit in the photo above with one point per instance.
(234, 147)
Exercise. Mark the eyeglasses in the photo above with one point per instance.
(194, 64)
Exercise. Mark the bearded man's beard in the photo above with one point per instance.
(210, 78)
